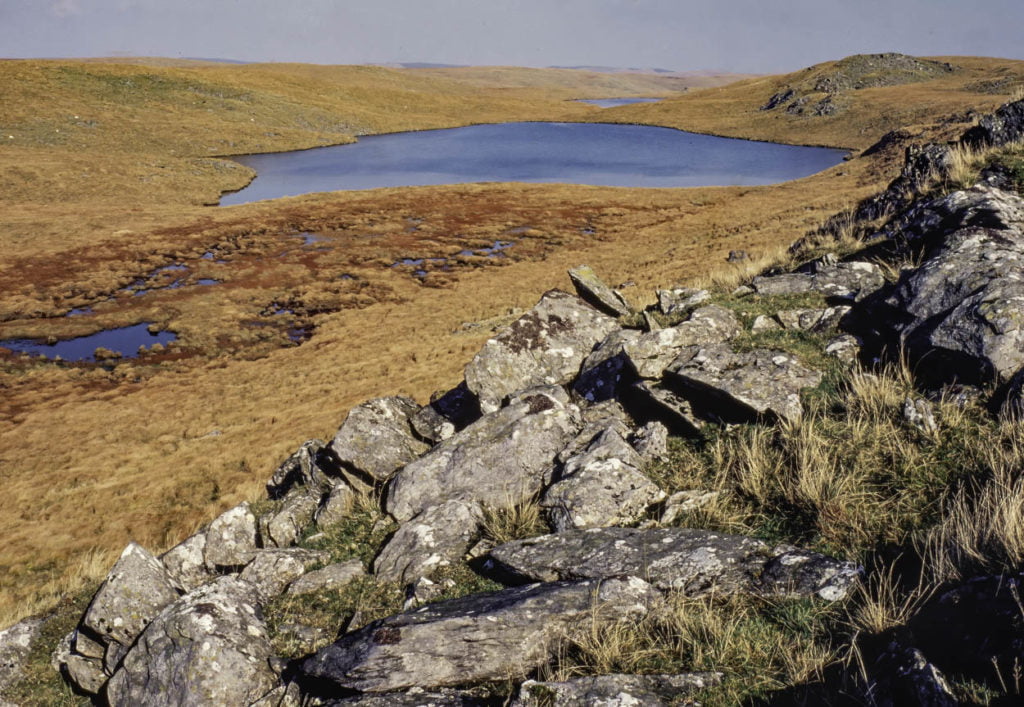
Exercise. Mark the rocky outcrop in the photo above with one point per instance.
(475, 638)
(377, 437)
(543, 347)
(437, 537)
(590, 287)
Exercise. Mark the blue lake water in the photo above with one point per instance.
(572, 153)
(616, 102)
(125, 340)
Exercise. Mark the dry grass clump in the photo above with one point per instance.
(523, 520)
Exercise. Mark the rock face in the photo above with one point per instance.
(741, 386)
(209, 648)
(474, 638)
(543, 347)
(611, 690)
(377, 437)
(694, 562)
(498, 461)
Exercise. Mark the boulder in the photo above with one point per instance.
(845, 348)
(271, 571)
(336, 507)
(208, 648)
(650, 353)
(651, 442)
(765, 323)
(15, 646)
(589, 286)
(852, 280)
(134, 592)
(902, 675)
(962, 311)
(675, 410)
(743, 386)
(500, 460)
(602, 493)
(331, 577)
(680, 300)
(615, 690)
(816, 320)
(543, 347)
(285, 526)
(606, 368)
(186, 563)
(494, 636)
(231, 539)
(311, 466)
(931, 222)
(436, 537)
(1004, 126)
(686, 501)
(694, 562)
(377, 437)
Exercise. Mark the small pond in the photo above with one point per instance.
(125, 340)
(616, 102)
(573, 153)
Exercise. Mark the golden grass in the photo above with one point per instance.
(91, 458)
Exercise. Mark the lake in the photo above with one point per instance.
(573, 153)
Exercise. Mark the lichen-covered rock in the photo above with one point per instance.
(590, 287)
(675, 410)
(543, 347)
(743, 386)
(815, 320)
(208, 648)
(601, 493)
(649, 354)
(310, 467)
(284, 527)
(1002, 127)
(902, 675)
(15, 645)
(480, 637)
(433, 539)
(272, 570)
(498, 461)
(186, 563)
(336, 507)
(414, 697)
(803, 573)
(606, 369)
(651, 441)
(845, 348)
(231, 538)
(691, 561)
(982, 206)
(680, 300)
(920, 414)
(615, 690)
(377, 437)
(134, 592)
(852, 280)
(331, 577)
(446, 414)
(962, 311)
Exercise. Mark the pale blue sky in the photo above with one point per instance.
(735, 35)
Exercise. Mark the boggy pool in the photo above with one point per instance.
(573, 153)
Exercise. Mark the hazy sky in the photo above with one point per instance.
(735, 35)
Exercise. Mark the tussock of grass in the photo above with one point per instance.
(525, 520)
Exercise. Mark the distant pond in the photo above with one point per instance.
(573, 153)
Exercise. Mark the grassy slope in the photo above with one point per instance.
(92, 458)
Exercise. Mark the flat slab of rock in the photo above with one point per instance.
(543, 347)
(134, 592)
(590, 287)
(691, 561)
(498, 461)
(609, 690)
(433, 539)
(377, 437)
(331, 577)
(208, 648)
(743, 386)
(481, 637)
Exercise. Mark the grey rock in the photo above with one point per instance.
(15, 646)
(651, 323)
(134, 592)
(331, 577)
(85, 646)
(85, 674)
(691, 561)
(605, 369)
(1013, 400)
(852, 280)
(981, 206)
(680, 300)
(601, 485)
(651, 353)
(816, 320)
(589, 287)
(743, 386)
(498, 461)
(446, 414)
(435, 538)
(284, 527)
(336, 507)
(615, 690)
(651, 442)
(920, 414)
(309, 467)
(1002, 127)
(414, 697)
(784, 284)
(272, 570)
(802, 573)
(208, 648)
(686, 501)
(231, 538)
(845, 348)
(902, 675)
(676, 410)
(481, 637)
(287, 695)
(186, 563)
(765, 323)
(962, 311)
(377, 437)
(543, 347)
